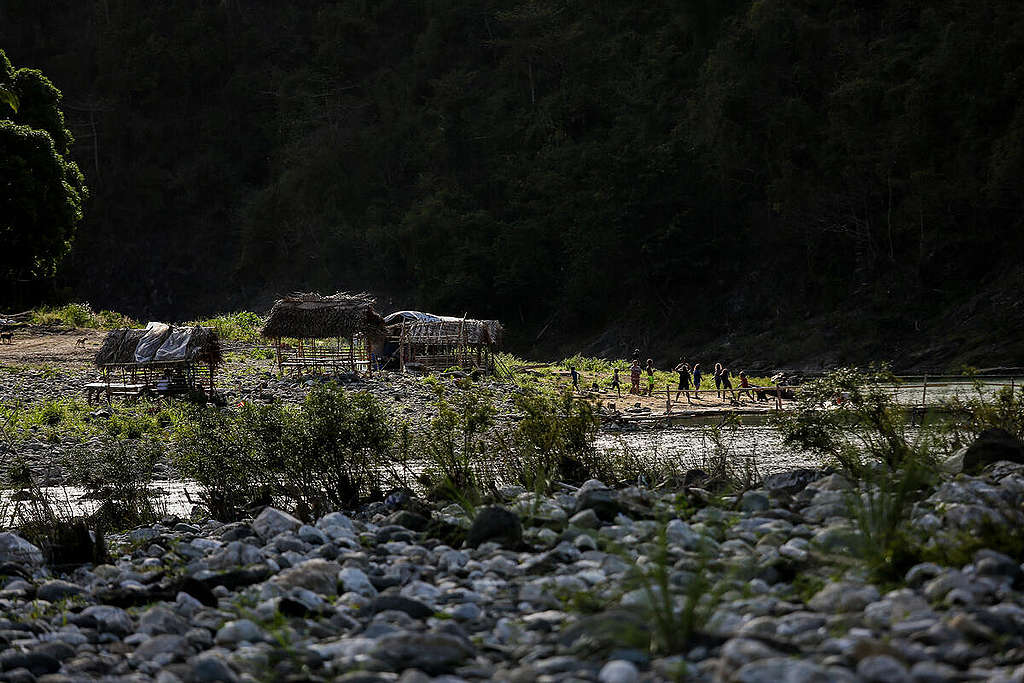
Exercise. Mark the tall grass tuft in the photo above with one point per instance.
(80, 315)
(241, 326)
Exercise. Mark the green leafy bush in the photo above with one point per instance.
(331, 449)
(120, 474)
(80, 315)
(849, 415)
(966, 418)
(457, 439)
(225, 453)
(554, 440)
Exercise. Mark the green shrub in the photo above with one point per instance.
(457, 439)
(225, 453)
(331, 449)
(591, 364)
(120, 474)
(554, 440)
(966, 418)
(849, 415)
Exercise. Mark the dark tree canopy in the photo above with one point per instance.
(681, 169)
(42, 190)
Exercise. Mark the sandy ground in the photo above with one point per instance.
(47, 345)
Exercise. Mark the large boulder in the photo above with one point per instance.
(495, 524)
(14, 548)
(793, 481)
(991, 446)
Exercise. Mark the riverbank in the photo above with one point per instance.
(589, 584)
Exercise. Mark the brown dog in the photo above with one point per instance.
(81, 342)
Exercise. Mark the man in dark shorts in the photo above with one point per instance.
(615, 382)
(575, 378)
(684, 380)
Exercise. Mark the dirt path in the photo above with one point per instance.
(661, 401)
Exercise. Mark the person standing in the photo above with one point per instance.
(696, 380)
(684, 380)
(575, 378)
(615, 382)
(718, 381)
(726, 383)
(634, 376)
(650, 377)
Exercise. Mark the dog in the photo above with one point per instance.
(81, 342)
(7, 337)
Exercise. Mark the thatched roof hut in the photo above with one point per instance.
(483, 332)
(119, 346)
(314, 316)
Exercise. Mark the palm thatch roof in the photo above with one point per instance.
(119, 346)
(483, 332)
(315, 316)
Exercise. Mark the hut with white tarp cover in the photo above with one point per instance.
(161, 359)
(439, 342)
(324, 333)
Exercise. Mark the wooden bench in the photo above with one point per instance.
(94, 389)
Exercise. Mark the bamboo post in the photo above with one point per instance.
(401, 347)
(277, 345)
(461, 351)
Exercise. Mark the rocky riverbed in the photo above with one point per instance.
(533, 588)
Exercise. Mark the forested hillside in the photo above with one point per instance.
(681, 170)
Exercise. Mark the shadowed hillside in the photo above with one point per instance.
(676, 172)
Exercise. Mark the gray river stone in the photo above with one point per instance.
(782, 670)
(237, 631)
(432, 653)
(57, 589)
(157, 620)
(110, 619)
(882, 669)
(317, 575)
(843, 597)
(272, 522)
(495, 524)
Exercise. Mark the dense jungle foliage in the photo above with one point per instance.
(702, 166)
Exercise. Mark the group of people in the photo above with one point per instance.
(687, 375)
